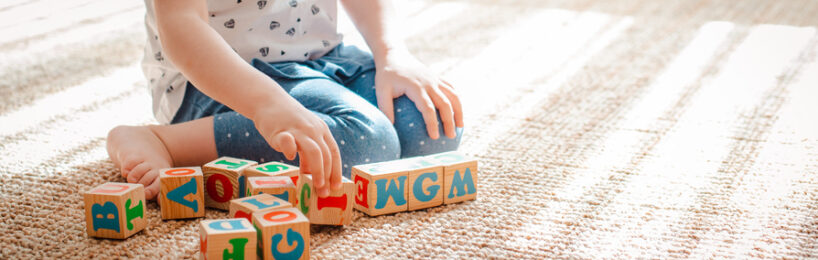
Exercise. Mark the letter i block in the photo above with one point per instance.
(227, 239)
(273, 169)
(380, 188)
(224, 181)
(280, 186)
(245, 207)
(459, 178)
(425, 183)
(115, 210)
(335, 209)
(181, 192)
(284, 234)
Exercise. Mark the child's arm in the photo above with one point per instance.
(213, 67)
(399, 73)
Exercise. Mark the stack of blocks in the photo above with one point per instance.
(181, 193)
(279, 186)
(414, 183)
(224, 181)
(115, 210)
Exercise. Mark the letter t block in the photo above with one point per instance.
(115, 210)
(227, 239)
(284, 233)
(181, 192)
(459, 178)
(380, 188)
(224, 181)
(335, 209)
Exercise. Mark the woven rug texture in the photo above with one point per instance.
(604, 129)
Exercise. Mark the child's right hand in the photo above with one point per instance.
(290, 129)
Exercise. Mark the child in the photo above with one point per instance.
(267, 80)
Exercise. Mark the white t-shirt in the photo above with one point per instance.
(269, 30)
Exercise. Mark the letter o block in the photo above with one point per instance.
(222, 179)
(425, 183)
(459, 178)
(273, 169)
(181, 192)
(380, 188)
(280, 186)
(245, 207)
(115, 210)
(335, 209)
(284, 233)
(227, 239)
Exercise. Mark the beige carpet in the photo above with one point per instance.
(605, 129)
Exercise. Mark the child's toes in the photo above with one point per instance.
(137, 172)
(149, 177)
(152, 190)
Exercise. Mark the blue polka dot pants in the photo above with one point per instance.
(340, 89)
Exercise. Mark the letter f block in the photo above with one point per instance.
(181, 192)
(115, 210)
(227, 239)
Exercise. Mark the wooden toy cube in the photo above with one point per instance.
(227, 239)
(284, 233)
(459, 178)
(425, 183)
(222, 181)
(279, 186)
(115, 210)
(273, 169)
(181, 192)
(380, 188)
(245, 207)
(335, 209)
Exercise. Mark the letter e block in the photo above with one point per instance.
(181, 192)
(115, 210)
(425, 183)
(380, 188)
(273, 169)
(284, 233)
(335, 209)
(279, 186)
(245, 207)
(459, 178)
(227, 239)
(224, 181)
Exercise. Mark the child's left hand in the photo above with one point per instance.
(399, 73)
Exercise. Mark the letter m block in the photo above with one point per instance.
(115, 210)
(460, 176)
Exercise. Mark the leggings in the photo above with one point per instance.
(340, 89)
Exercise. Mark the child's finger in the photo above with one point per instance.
(427, 109)
(444, 108)
(335, 178)
(384, 97)
(284, 142)
(311, 160)
(137, 172)
(456, 105)
(327, 166)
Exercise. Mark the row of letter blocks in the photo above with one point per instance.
(414, 183)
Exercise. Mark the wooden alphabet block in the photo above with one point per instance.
(380, 188)
(335, 209)
(224, 181)
(227, 239)
(279, 186)
(273, 169)
(245, 207)
(459, 178)
(284, 233)
(115, 210)
(425, 183)
(181, 192)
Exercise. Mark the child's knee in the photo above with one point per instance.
(373, 142)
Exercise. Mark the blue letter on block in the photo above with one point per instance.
(242, 185)
(235, 224)
(464, 185)
(417, 187)
(178, 194)
(395, 191)
(104, 222)
(283, 196)
(292, 237)
(260, 205)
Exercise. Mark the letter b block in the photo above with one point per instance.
(222, 179)
(284, 233)
(245, 207)
(115, 210)
(381, 188)
(335, 209)
(181, 192)
(459, 178)
(227, 239)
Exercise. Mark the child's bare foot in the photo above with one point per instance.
(139, 153)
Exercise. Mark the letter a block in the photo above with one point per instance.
(284, 233)
(380, 188)
(459, 178)
(280, 186)
(273, 169)
(335, 209)
(227, 239)
(245, 207)
(425, 183)
(224, 181)
(181, 192)
(115, 210)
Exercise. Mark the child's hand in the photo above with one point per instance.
(401, 73)
(290, 129)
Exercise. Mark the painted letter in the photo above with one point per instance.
(231, 165)
(305, 199)
(103, 221)
(283, 196)
(178, 195)
(242, 184)
(463, 185)
(238, 249)
(270, 216)
(332, 202)
(260, 205)
(363, 187)
(235, 224)
(272, 168)
(417, 187)
(132, 213)
(292, 237)
(227, 188)
(395, 190)
(111, 188)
